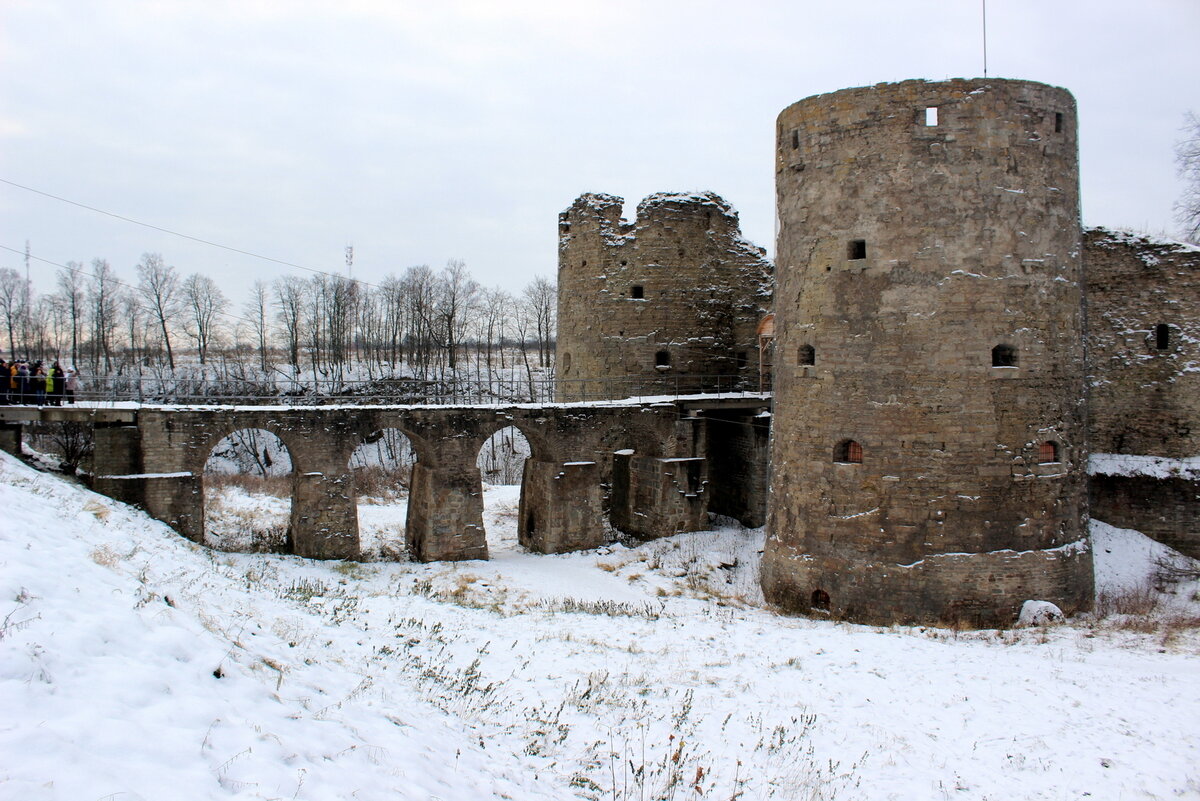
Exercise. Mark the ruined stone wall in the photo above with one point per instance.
(652, 305)
(1144, 381)
(1164, 509)
(1143, 299)
(929, 345)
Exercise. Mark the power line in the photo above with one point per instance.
(200, 240)
(137, 292)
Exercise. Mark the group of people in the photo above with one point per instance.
(23, 382)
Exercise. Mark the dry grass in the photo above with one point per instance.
(1137, 601)
(376, 485)
(277, 486)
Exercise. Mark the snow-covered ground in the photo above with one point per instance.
(137, 665)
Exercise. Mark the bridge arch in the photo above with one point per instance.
(246, 488)
(381, 466)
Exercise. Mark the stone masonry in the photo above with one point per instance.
(669, 302)
(1143, 299)
(929, 447)
(155, 458)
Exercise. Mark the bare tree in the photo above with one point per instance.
(158, 283)
(1187, 158)
(12, 304)
(133, 312)
(457, 300)
(71, 291)
(204, 303)
(256, 311)
(420, 293)
(494, 308)
(103, 298)
(290, 293)
(541, 301)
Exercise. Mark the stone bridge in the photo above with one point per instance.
(641, 468)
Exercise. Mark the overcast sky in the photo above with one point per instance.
(423, 131)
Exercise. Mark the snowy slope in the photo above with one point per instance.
(135, 665)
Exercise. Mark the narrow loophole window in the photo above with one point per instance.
(848, 452)
(807, 355)
(1162, 336)
(1058, 119)
(637, 292)
(931, 117)
(857, 249)
(1048, 452)
(1004, 356)
(795, 140)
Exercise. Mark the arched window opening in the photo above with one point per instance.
(848, 452)
(566, 363)
(248, 493)
(1048, 452)
(820, 599)
(807, 355)
(382, 467)
(662, 359)
(1162, 336)
(1004, 356)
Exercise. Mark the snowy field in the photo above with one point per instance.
(136, 665)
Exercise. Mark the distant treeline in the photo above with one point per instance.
(326, 328)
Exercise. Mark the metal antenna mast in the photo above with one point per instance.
(984, 38)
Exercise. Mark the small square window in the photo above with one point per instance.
(637, 292)
(857, 249)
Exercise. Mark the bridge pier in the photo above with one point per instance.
(324, 522)
(10, 438)
(560, 507)
(445, 513)
(654, 497)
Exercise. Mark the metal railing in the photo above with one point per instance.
(456, 391)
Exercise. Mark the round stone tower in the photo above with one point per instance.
(928, 448)
(669, 302)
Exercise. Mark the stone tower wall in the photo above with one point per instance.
(703, 289)
(907, 252)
